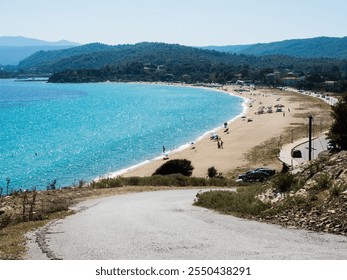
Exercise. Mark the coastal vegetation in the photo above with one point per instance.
(338, 131)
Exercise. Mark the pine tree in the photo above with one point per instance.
(338, 130)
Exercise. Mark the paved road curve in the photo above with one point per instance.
(318, 145)
(164, 225)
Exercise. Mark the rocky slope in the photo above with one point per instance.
(317, 199)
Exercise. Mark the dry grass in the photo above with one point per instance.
(267, 152)
(49, 205)
(12, 238)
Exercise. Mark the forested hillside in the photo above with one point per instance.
(96, 56)
(176, 63)
(316, 47)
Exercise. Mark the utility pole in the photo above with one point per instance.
(310, 138)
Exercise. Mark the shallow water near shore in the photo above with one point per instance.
(69, 132)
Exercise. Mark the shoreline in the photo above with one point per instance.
(185, 146)
(254, 129)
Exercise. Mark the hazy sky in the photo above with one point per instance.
(187, 22)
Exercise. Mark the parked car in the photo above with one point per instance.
(296, 154)
(331, 145)
(254, 176)
(266, 170)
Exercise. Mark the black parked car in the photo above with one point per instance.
(257, 175)
(331, 145)
(254, 176)
(266, 170)
(296, 154)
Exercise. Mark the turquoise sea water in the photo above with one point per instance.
(69, 132)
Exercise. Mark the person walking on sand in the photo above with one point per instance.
(218, 144)
(221, 144)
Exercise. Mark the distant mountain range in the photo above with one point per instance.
(96, 56)
(305, 63)
(15, 49)
(20, 41)
(327, 47)
(62, 55)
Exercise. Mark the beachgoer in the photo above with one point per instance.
(221, 144)
(284, 114)
(218, 144)
(163, 149)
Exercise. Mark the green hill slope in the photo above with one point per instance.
(309, 48)
(96, 56)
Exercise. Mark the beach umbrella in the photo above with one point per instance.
(279, 106)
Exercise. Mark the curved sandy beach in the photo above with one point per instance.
(243, 135)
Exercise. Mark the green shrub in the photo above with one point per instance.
(175, 166)
(212, 172)
(133, 181)
(108, 183)
(219, 182)
(197, 181)
(283, 182)
(288, 203)
(337, 190)
(161, 180)
(5, 220)
(324, 181)
(243, 202)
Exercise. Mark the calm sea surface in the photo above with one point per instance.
(68, 132)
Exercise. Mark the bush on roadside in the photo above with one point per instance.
(243, 203)
(324, 181)
(5, 220)
(283, 182)
(178, 180)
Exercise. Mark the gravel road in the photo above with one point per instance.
(164, 225)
